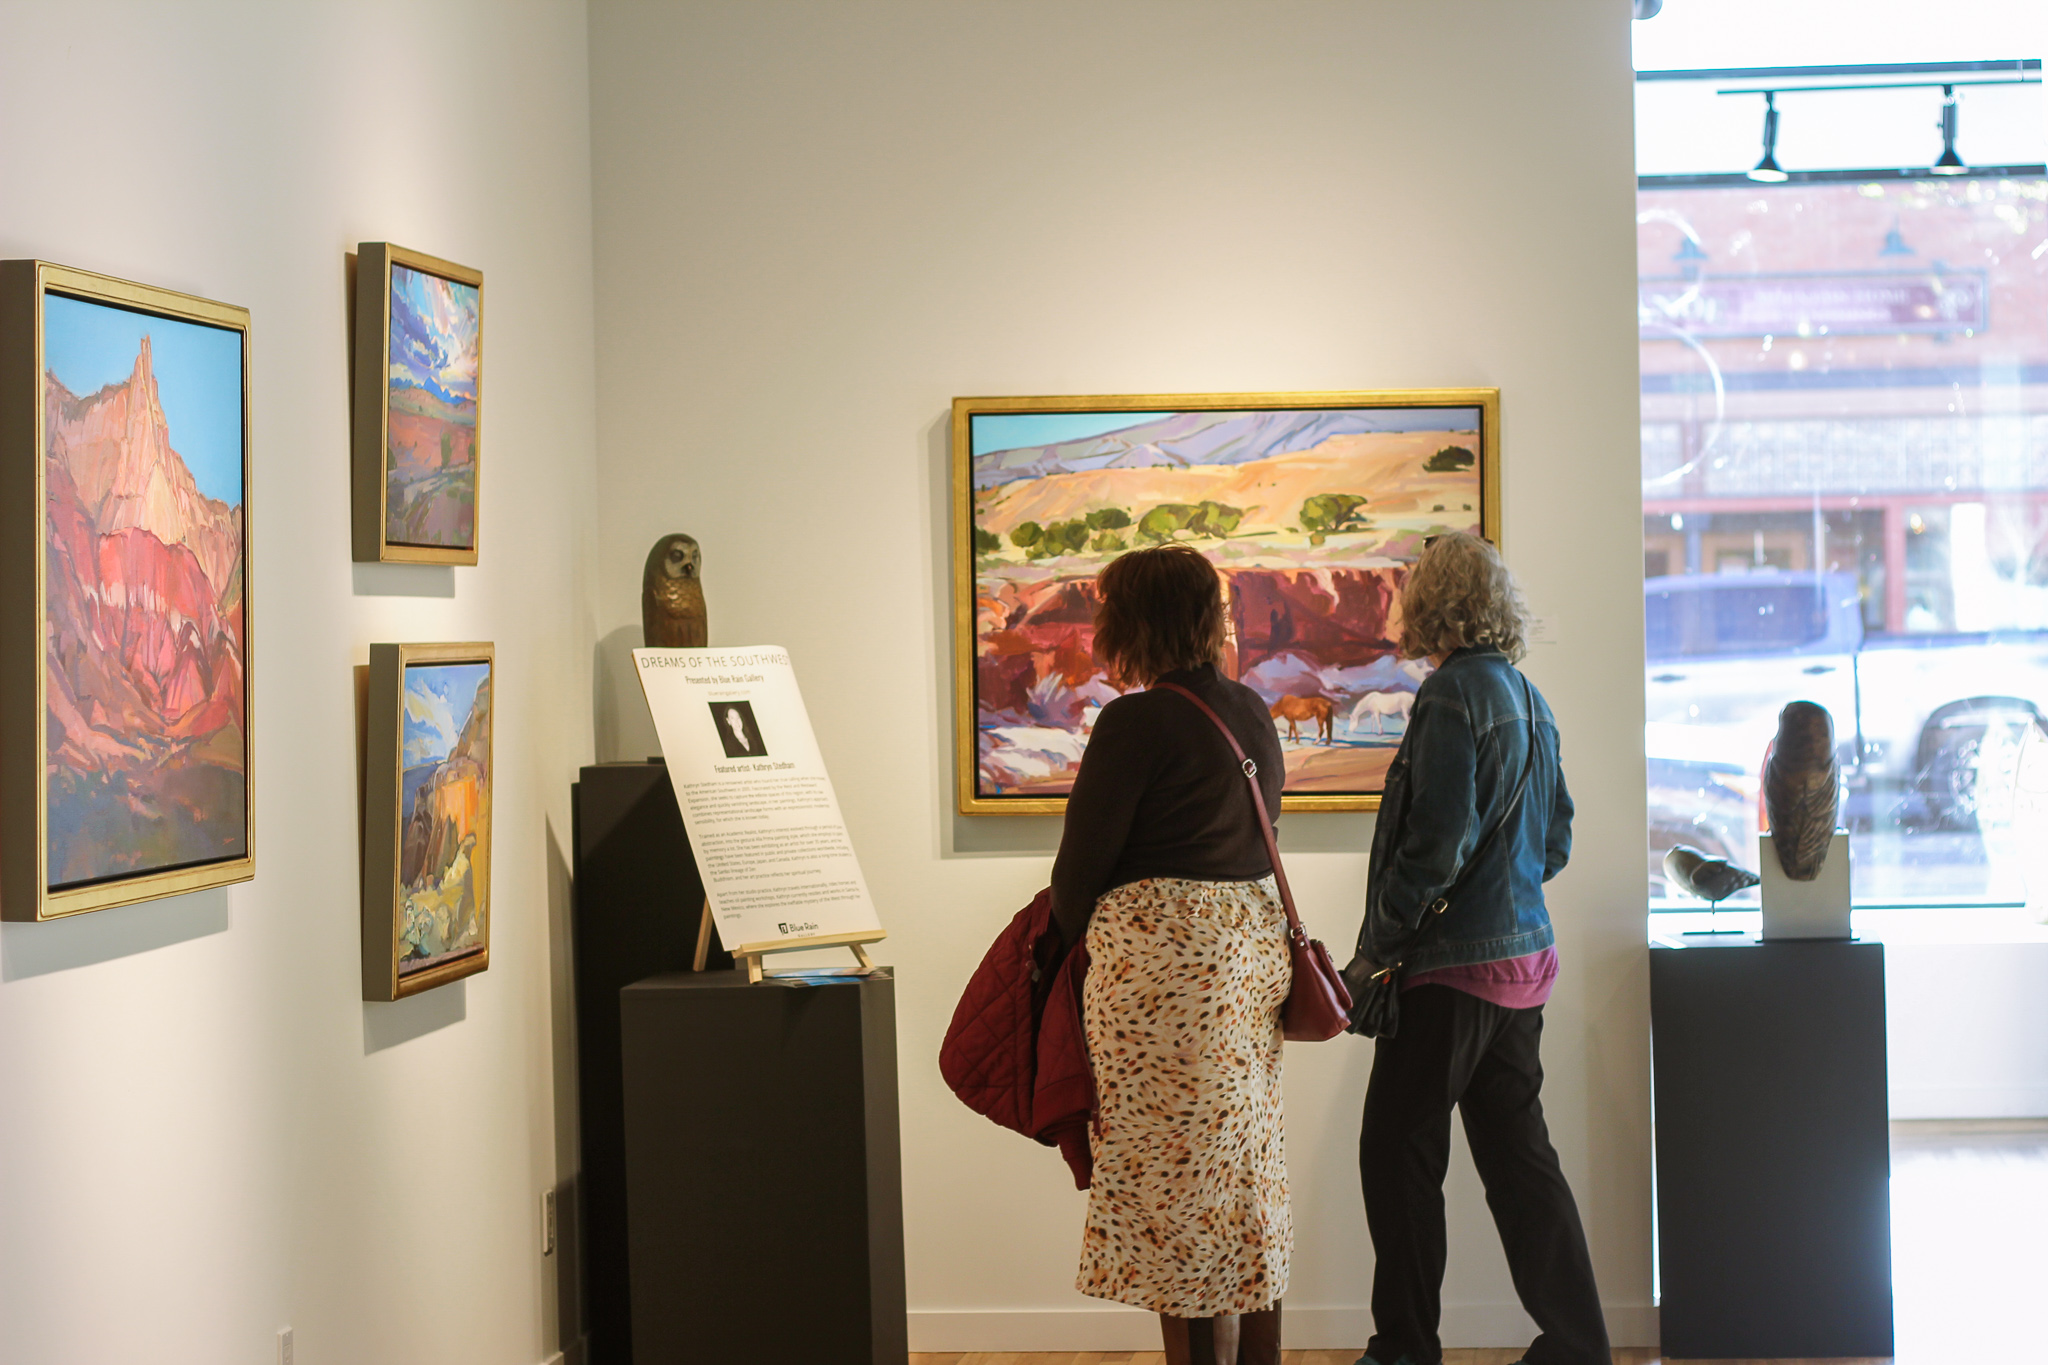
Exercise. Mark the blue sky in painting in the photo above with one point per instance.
(434, 326)
(1020, 430)
(198, 378)
(438, 700)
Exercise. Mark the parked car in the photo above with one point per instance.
(1928, 727)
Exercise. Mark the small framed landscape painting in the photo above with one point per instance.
(427, 818)
(124, 588)
(418, 382)
(1311, 506)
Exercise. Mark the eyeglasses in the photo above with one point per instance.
(1428, 541)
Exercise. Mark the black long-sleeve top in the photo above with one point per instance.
(1160, 794)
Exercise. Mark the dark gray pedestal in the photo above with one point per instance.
(638, 904)
(1773, 1150)
(763, 1171)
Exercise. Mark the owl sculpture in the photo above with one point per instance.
(672, 596)
(1802, 789)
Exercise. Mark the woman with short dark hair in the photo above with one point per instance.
(1474, 820)
(1163, 869)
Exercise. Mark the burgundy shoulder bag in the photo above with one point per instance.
(1318, 1006)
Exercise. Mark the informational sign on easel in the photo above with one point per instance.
(779, 871)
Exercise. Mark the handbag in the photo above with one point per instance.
(1318, 1006)
(1376, 989)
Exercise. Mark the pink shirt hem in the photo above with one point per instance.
(1516, 983)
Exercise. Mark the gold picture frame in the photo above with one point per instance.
(126, 720)
(1022, 611)
(427, 816)
(438, 373)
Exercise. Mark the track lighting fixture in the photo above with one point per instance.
(1768, 170)
(1949, 163)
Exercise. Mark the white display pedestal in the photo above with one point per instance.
(1815, 909)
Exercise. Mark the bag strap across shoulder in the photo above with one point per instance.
(1251, 777)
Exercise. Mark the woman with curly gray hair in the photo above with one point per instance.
(1474, 820)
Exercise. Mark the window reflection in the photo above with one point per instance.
(1845, 500)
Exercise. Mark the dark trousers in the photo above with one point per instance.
(1456, 1049)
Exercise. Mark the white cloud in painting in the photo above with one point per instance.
(430, 727)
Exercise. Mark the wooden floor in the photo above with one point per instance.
(1291, 1357)
(1968, 1200)
(1479, 1357)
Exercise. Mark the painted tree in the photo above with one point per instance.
(1327, 513)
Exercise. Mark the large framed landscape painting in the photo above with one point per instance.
(1311, 505)
(124, 622)
(418, 388)
(427, 818)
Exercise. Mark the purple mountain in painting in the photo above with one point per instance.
(1210, 438)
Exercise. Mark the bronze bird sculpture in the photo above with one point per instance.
(672, 612)
(1711, 879)
(1802, 789)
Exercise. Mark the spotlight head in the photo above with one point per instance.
(1768, 169)
(1949, 163)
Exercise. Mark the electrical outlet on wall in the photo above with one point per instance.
(547, 1222)
(284, 1346)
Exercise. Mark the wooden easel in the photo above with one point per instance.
(750, 954)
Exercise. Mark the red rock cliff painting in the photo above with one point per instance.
(445, 803)
(147, 756)
(1311, 516)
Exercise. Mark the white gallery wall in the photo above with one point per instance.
(817, 223)
(205, 1134)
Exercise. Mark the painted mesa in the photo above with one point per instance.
(430, 452)
(146, 751)
(1310, 516)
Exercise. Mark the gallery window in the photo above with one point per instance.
(1845, 500)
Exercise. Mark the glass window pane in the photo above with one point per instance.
(1845, 501)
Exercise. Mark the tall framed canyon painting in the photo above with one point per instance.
(1311, 506)
(427, 818)
(418, 391)
(124, 589)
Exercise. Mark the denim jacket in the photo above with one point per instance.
(1468, 737)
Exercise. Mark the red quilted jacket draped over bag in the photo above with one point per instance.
(1016, 1050)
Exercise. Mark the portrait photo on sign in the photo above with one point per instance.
(126, 772)
(1312, 507)
(737, 730)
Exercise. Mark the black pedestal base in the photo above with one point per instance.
(638, 904)
(1773, 1150)
(763, 1171)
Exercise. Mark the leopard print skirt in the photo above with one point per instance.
(1188, 1211)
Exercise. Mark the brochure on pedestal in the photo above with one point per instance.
(779, 872)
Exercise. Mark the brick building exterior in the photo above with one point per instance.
(1852, 376)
